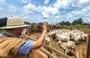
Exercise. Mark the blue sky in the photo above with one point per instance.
(52, 11)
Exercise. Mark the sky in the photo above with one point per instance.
(53, 11)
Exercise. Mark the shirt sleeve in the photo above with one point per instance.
(26, 47)
(2, 35)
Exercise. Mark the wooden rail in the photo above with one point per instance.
(48, 53)
(59, 53)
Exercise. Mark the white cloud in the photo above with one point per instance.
(57, 17)
(24, 1)
(75, 3)
(47, 11)
(26, 18)
(30, 7)
(2, 0)
(40, 8)
(51, 10)
(83, 13)
(58, 4)
(45, 15)
(61, 3)
(46, 1)
(83, 1)
(80, 3)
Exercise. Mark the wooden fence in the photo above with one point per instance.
(51, 52)
(88, 50)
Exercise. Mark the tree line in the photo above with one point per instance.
(37, 27)
(75, 22)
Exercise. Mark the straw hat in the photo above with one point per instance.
(12, 22)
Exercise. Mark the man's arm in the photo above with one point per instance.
(39, 42)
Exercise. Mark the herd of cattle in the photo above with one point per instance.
(67, 39)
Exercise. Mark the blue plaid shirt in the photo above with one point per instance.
(26, 47)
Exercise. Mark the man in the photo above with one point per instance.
(10, 41)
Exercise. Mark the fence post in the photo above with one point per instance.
(88, 48)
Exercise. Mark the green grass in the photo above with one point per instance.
(85, 28)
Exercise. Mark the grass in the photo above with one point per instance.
(84, 28)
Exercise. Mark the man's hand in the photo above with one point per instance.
(45, 26)
(39, 42)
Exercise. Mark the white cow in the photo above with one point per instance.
(67, 46)
(47, 40)
(62, 37)
(84, 37)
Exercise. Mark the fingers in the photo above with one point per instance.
(45, 26)
(45, 23)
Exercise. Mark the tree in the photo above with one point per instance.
(64, 23)
(74, 22)
(27, 22)
(40, 23)
(67, 23)
(79, 21)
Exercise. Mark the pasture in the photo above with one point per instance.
(82, 47)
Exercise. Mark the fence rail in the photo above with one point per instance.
(57, 52)
(48, 54)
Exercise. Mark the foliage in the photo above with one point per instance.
(79, 21)
(65, 23)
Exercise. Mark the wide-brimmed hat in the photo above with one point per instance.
(12, 22)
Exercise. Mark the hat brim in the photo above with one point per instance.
(11, 27)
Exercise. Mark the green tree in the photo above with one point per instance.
(74, 22)
(64, 23)
(67, 23)
(78, 21)
(27, 22)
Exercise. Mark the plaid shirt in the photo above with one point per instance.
(26, 47)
